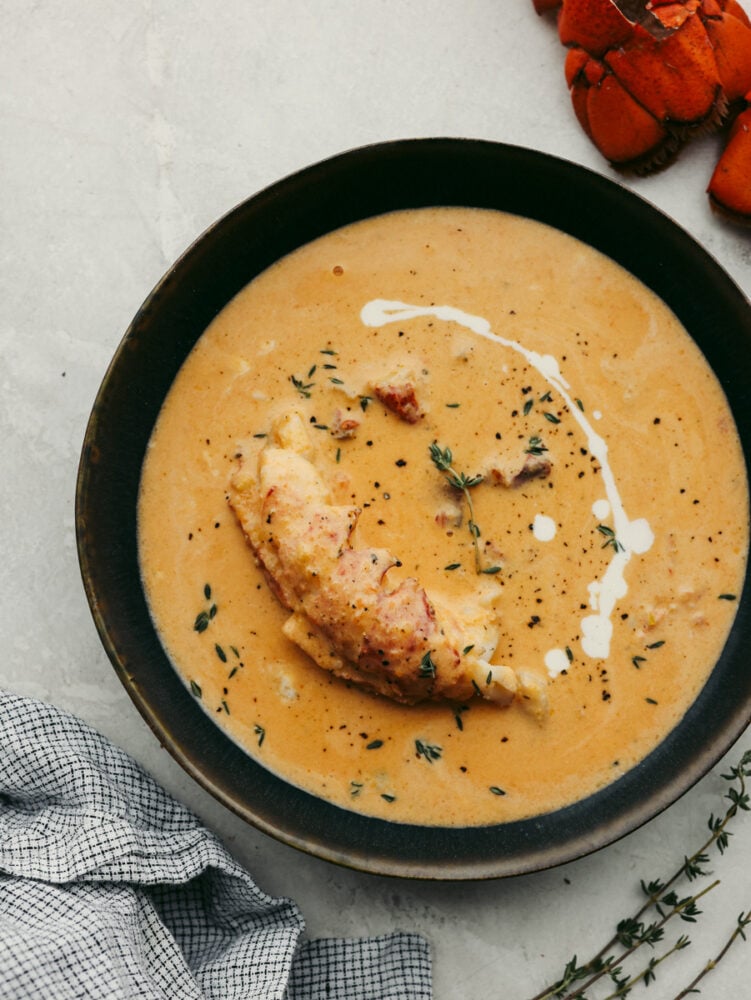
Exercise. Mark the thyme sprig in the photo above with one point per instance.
(632, 932)
(442, 459)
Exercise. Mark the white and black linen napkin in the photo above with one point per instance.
(112, 890)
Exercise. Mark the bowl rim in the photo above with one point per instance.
(105, 527)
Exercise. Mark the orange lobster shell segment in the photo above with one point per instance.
(621, 128)
(731, 41)
(730, 186)
(595, 25)
(733, 8)
(673, 15)
(676, 79)
(577, 61)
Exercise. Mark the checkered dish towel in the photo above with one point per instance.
(111, 889)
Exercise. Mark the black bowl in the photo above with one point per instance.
(349, 187)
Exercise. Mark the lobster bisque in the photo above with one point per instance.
(613, 576)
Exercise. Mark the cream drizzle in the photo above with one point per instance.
(543, 528)
(633, 537)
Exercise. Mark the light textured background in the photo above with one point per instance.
(126, 128)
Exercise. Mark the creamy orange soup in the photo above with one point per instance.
(613, 576)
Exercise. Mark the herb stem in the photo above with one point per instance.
(738, 932)
(631, 933)
(647, 973)
(474, 530)
(442, 459)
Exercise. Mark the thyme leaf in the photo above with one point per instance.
(535, 446)
(302, 387)
(429, 751)
(610, 538)
(204, 617)
(427, 666)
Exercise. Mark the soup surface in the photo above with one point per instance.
(602, 524)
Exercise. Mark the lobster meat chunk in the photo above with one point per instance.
(645, 77)
(395, 640)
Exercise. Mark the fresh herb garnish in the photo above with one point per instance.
(610, 538)
(195, 689)
(260, 733)
(442, 458)
(302, 387)
(202, 621)
(427, 666)
(204, 617)
(535, 446)
(430, 751)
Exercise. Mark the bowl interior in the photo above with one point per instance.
(349, 187)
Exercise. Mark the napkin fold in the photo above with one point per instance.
(112, 890)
